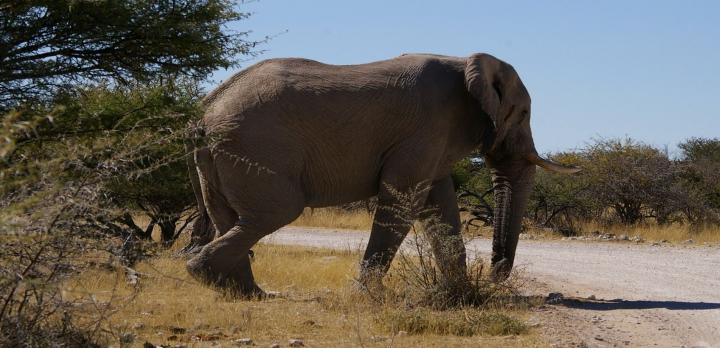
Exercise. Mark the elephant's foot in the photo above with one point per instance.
(501, 270)
(370, 282)
(454, 270)
(234, 280)
(369, 286)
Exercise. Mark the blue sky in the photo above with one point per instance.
(645, 69)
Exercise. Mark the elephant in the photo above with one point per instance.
(290, 133)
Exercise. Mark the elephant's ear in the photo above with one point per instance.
(483, 81)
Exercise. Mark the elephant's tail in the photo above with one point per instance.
(203, 230)
(192, 143)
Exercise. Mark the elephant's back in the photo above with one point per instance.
(283, 78)
(327, 126)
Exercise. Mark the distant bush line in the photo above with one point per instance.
(623, 181)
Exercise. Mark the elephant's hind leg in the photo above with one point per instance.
(245, 205)
(224, 262)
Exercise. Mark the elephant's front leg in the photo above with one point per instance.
(388, 232)
(442, 223)
(393, 219)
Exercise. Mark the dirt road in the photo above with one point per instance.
(615, 294)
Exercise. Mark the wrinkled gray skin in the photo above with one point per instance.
(293, 133)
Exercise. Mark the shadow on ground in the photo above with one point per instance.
(609, 305)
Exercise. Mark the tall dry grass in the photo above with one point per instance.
(318, 304)
(677, 233)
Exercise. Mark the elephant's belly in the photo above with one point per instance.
(344, 184)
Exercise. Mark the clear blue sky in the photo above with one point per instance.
(646, 69)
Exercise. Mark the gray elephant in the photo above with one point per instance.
(286, 134)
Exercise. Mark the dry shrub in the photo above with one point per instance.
(417, 278)
(54, 240)
(29, 269)
(34, 308)
(419, 298)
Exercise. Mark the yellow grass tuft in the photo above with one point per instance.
(335, 218)
(318, 305)
(454, 322)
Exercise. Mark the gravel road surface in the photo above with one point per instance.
(614, 293)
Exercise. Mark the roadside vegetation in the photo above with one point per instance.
(318, 304)
(626, 188)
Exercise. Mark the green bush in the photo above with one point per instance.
(622, 181)
(131, 137)
(561, 201)
(700, 179)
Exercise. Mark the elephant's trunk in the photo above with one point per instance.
(511, 196)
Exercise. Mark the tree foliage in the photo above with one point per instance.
(558, 200)
(46, 45)
(128, 139)
(700, 180)
(623, 181)
(472, 180)
(103, 90)
(630, 178)
(95, 96)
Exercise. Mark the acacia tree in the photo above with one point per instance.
(149, 123)
(92, 113)
(700, 180)
(558, 200)
(46, 45)
(631, 178)
(76, 77)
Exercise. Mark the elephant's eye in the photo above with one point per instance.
(523, 116)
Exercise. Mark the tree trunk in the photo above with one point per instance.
(167, 230)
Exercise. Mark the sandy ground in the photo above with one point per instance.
(614, 293)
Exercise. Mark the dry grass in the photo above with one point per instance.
(676, 233)
(318, 305)
(335, 218)
(649, 232)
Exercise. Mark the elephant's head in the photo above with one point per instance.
(509, 150)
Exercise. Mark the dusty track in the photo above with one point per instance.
(657, 296)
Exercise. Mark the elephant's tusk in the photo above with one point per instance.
(550, 165)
